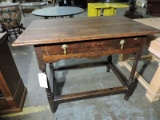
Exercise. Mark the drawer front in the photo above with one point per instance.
(94, 46)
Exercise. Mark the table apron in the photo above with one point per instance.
(89, 49)
(92, 55)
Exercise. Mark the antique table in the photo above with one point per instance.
(57, 39)
(57, 12)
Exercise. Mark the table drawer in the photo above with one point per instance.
(93, 46)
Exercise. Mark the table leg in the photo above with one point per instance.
(42, 67)
(109, 60)
(49, 93)
(132, 82)
(50, 97)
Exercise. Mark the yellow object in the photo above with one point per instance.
(96, 9)
(104, 9)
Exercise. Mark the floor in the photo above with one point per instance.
(103, 108)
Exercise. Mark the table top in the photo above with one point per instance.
(57, 11)
(30, 4)
(49, 31)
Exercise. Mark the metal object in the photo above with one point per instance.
(122, 43)
(135, 38)
(64, 47)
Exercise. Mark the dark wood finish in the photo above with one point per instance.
(80, 29)
(11, 86)
(90, 38)
(153, 7)
(91, 47)
(90, 94)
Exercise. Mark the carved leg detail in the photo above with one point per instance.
(132, 83)
(50, 98)
(131, 89)
(55, 89)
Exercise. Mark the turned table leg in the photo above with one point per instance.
(42, 67)
(132, 82)
(109, 60)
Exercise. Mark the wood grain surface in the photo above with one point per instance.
(81, 29)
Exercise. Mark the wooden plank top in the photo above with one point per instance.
(81, 29)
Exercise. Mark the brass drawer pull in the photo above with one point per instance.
(64, 47)
(122, 43)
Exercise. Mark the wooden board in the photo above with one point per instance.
(81, 29)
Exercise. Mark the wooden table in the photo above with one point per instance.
(58, 12)
(93, 37)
